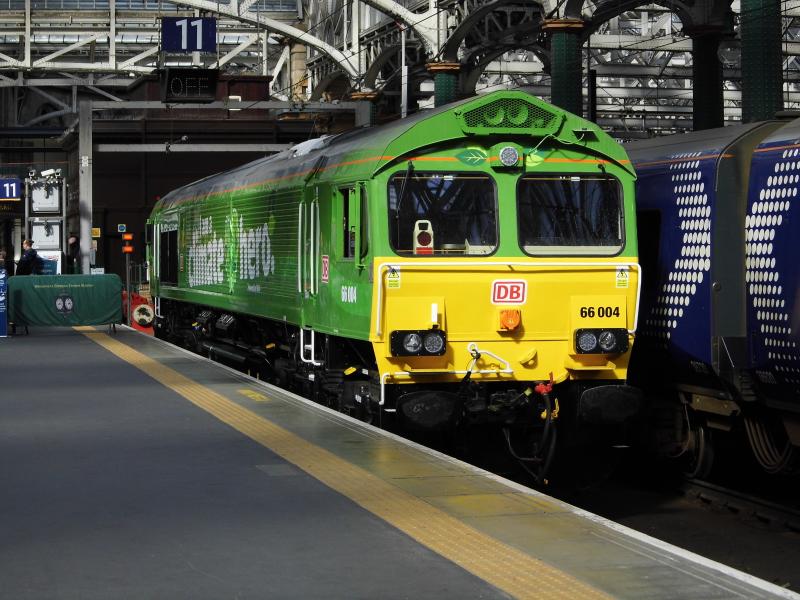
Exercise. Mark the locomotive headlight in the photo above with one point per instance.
(509, 156)
(418, 342)
(412, 343)
(434, 342)
(607, 341)
(601, 341)
(587, 341)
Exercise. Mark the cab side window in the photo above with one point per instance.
(168, 257)
(348, 238)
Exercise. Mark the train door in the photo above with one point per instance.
(348, 276)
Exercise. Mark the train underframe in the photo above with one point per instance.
(529, 418)
(689, 422)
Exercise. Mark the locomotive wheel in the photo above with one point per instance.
(699, 455)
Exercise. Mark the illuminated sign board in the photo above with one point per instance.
(188, 85)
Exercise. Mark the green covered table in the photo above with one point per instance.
(64, 300)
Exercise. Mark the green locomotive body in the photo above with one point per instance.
(480, 246)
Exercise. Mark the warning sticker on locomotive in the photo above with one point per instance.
(505, 291)
(393, 278)
(623, 278)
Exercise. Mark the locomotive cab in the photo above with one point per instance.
(522, 306)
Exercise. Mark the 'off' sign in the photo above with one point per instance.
(509, 291)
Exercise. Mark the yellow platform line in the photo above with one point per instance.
(504, 567)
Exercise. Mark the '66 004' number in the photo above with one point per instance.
(601, 311)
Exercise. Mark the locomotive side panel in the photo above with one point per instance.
(236, 248)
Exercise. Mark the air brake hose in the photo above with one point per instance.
(544, 389)
(475, 358)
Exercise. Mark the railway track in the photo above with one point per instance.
(743, 505)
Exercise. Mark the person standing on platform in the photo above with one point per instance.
(30, 263)
(7, 261)
(73, 254)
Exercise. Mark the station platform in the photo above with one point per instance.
(133, 469)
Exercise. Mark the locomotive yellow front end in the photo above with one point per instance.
(516, 320)
(506, 341)
(510, 288)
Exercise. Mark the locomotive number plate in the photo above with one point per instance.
(602, 311)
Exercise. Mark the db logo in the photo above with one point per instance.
(509, 292)
(326, 268)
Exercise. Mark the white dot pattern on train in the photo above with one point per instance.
(690, 268)
(765, 291)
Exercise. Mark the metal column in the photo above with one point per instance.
(367, 107)
(566, 75)
(762, 79)
(85, 181)
(707, 102)
(445, 81)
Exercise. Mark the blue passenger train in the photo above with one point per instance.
(719, 224)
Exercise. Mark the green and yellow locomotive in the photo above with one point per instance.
(476, 263)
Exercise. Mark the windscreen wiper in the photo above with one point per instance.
(402, 195)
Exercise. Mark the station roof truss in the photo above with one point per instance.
(641, 54)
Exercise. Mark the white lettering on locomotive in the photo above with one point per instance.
(349, 294)
(206, 254)
(255, 252)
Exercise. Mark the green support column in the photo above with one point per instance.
(445, 81)
(372, 98)
(566, 70)
(707, 102)
(762, 79)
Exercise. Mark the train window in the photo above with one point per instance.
(348, 229)
(349, 211)
(442, 214)
(570, 214)
(168, 257)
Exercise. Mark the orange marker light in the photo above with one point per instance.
(127, 249)
(510, 319)
(128, 237)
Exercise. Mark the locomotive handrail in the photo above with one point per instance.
(311, 347)
(384, 267)
(313, 227)
(300, 209)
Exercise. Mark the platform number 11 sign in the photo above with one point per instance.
(186, 34)
(10, 190)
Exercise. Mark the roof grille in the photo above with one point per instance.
(509, 115)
